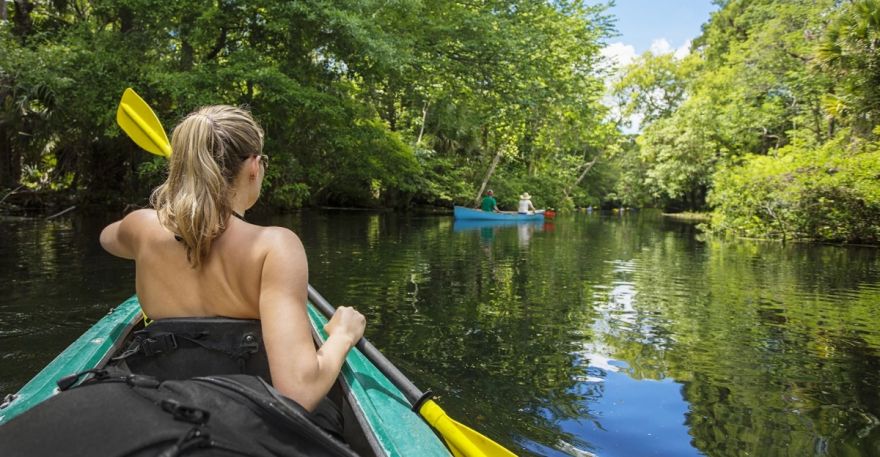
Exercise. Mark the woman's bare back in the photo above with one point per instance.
(226, 284)
(250, 272)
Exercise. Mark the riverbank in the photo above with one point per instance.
(37, 204)
(690, 216)
(24, 202)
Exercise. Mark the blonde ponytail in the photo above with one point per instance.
(208, 149)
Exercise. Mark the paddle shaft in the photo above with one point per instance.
(412, 393)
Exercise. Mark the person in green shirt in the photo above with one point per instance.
(489, 204)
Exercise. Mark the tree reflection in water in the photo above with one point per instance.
(608, 335)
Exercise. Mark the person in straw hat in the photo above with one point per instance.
(525, 204)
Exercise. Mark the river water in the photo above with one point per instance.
(596, 334)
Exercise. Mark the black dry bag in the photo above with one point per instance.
(116, 414)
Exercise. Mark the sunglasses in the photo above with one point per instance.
(263, 158)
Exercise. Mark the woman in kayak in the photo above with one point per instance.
(195, 256)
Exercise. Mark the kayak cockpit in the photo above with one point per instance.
(376, 419)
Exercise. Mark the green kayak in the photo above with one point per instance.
(383, 425)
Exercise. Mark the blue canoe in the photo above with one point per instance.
(469, 214)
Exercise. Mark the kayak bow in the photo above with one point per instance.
(382, 417)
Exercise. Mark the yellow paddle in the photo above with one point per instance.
(141, 124)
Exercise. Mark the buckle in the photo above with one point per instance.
(250, 344)
(158, 343)
(185, 413)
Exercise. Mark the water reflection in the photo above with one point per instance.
(606, 335)
(58, 281)
(627, 336)
(489, 229)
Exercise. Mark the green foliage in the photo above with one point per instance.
(682, 151)
(289, 195)
(630, 187)
(443, 180)
(828, 194)
(653, 86)
(819, 187)
(567, 206)
(848, 51)
(347, 92)
(392, 104)
(773, 94)
(152, 171)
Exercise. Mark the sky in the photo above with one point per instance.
(660, 26)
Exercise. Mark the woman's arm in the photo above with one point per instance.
(299, 371)
(118, 237)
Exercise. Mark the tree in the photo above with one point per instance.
(365, 103)
(848, 52)
(653, 86)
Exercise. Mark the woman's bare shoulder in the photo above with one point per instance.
(141, 222)
(138, 221)
(280, 240)
(142, 215)
(285, 257)
(123, 237)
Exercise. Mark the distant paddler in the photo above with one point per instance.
(489, 204)
(525, 204)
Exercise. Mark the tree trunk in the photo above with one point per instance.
(126, 20)
(3, 10)
(489, 173)
(187, 56)
(10, 162)
(389, 108)
(22, 25)
(529, 158)
(219, 44)
(577, 182)
(187, 52)
(422, 128)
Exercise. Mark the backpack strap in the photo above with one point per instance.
(149, 345)
(110, 374)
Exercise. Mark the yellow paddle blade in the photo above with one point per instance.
(463, 441)
(140, 123)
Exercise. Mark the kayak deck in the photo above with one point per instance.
(387, 424)
(380, 403)
(92, 349)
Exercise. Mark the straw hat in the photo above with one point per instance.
(525, 196)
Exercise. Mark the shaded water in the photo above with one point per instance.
(617, 336)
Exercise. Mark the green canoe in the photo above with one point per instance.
(384, 423)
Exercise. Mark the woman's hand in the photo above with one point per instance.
(347, 323)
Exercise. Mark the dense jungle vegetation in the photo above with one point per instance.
(771, 121)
